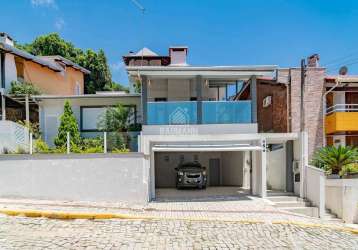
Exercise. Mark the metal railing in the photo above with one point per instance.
(342, 108)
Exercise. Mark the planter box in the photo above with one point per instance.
(351, 176)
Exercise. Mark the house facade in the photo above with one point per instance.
(192, 113)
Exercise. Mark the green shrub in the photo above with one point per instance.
(120, 151)
(135, 127)
(93, 150)
(23, 88)
(333, 159)
(41, 147)
(349, 169)
(20, 150)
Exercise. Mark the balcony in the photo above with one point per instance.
(186, 112)
(342, 118)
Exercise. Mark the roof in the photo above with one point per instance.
(144, 52)
(43, 61)
(41, 97)
(217, 72)
(65, 61)
(342, 78)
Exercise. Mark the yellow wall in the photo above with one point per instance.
(51, 82)
(341, 122)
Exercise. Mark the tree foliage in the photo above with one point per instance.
(53, 44)
(23, 88)
(69, 124)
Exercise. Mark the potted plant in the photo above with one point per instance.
(333, 159)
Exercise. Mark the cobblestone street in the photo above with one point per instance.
(41, 233)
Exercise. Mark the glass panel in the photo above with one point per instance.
(164, 113)
(227, 112)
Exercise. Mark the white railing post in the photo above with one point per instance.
(68, 142)
(105, 142)
(31, 144)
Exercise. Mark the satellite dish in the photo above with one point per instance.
(343, 70)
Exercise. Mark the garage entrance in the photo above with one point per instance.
(227, 173)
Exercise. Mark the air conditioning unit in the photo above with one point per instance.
(267, 101)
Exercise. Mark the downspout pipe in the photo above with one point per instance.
(324, 107)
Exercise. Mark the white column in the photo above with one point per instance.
(303, 163)
(27, 110)
(263, 183)
(31, 144)
(105, 142)
(3, 105)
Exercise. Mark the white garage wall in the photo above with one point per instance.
(91, 177)
(232, 168)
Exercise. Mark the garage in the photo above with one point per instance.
(227, 173)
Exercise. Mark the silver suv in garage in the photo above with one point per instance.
(191, 174)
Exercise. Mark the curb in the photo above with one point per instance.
(102, 216)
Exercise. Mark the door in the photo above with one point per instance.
(214, 172)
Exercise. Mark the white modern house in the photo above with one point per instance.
(189, 114)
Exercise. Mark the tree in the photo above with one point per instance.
(114, 119)
(68, 124)
(333, 159)
(52, 44)
(113, 86)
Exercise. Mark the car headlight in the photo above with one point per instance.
(180, 173)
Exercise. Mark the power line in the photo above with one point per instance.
(349, 64)
(337, 60)
(136, 3)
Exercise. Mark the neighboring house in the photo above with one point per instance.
(52, 75)
(190, 113)
(341, 126)
(87, 110)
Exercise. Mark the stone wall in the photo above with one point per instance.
(314, 87)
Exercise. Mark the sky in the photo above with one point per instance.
(218, 32)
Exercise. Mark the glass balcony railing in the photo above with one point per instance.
(165, 113)
(226, 112)
(185, 112)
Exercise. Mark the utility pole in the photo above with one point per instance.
(302, 111)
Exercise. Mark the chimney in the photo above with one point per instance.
(178, 55)
(313, 60)
(5, 38)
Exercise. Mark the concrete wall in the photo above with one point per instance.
(342, 198)
(111, 178)
(13, 137)
(52, 109)
(315, 188)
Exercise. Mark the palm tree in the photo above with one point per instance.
(332, 159)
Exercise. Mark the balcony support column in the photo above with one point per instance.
(199, 97)
(144, 99)
(253, 92)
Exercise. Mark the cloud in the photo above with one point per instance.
(44, 3)
(60, 23)
(117, 66)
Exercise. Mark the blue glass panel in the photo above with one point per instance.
(166, 113)
(227, 112)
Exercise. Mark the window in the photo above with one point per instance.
(77, 89)
(91, 115)
(19, 70)
(193, 98)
